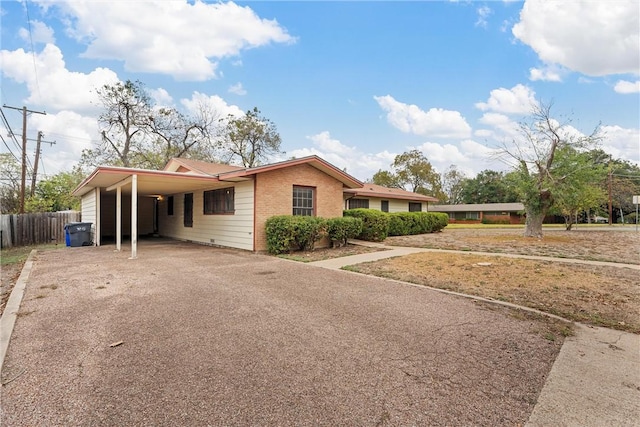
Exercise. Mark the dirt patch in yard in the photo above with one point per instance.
(621, 246)
(602, 296)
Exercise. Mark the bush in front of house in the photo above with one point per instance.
(307, 230)
(375, 224)
(287, 232)
(410, 223)
(280, 232)
(340, 230)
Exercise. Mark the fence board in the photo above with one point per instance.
(35, 228)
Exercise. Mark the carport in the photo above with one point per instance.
(138, 186)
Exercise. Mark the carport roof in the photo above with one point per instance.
(196, 175)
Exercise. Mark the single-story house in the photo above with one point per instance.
(501, 213)
(372, 196)
(221, 204)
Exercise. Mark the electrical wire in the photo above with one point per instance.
(11, 133)
(33, 51)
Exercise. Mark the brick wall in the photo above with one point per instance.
(274, 196)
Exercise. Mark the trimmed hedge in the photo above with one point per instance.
(340, 230)
(409, 223)
(375, 224)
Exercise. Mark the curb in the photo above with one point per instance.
(10, 313)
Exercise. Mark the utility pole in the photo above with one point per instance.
(24, 150)
(35, 165)
(610, 194)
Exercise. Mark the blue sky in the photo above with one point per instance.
(354, 82)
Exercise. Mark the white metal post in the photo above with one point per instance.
(118, 218)
(134, 216)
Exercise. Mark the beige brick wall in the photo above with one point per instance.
(274, 196)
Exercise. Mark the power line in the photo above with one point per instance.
(9, 148)
(8, 126)
(33, 51)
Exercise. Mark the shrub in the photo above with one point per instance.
(307, 230)
(280, 234)
(287, 232)
(397, 225)
(375, 224)
(340, 230)
(495, 220)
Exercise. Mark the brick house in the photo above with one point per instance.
(219, 204)
(499, 213)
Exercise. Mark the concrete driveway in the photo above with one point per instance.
(222, 337)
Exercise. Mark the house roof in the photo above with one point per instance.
(378, 191)
(185, 175)
(479, 207)
(199, 166)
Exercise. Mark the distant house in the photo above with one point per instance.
(499, 213)
(372, 196)
(221, 204)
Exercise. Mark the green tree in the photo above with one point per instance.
(488, 187)
(386, 179)
(580, 192)
(536, 171)
(54, 194)
(10, 183)
(251, 139)
(414, 171)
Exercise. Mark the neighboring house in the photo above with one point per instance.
(372, 196)
(218, 204)
(509, 213)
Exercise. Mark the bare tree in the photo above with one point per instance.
(533, 157)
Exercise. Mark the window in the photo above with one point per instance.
(384, 206)
(358, 203)
(415, 207)
(188, 210)
(303, 201)
(170, 205)
(218, 202)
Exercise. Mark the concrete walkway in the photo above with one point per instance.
(595, 380)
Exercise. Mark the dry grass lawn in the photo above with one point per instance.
(603, 296)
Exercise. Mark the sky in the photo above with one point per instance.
(353, 82)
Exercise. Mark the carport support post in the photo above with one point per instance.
(134, 216)
(118, 218)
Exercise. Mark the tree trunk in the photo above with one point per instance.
(533, 224)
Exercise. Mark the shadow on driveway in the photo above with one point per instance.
(222, 337)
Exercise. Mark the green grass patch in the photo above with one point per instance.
(20, 254)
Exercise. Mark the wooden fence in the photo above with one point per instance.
(35, 228)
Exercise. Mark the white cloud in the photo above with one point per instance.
(591, 37)
(483, 13)
(436, 122)
(622, 143)
(623, 86)
(54, 87)
(40, 33)
(517, 100)
(237, 89)
(213, 102)
(359, 164)
(178, 38)
(469, 156)
(546, 74)
(161, 97)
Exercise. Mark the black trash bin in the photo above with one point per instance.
(78, 234)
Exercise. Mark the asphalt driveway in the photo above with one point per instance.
(222, 337)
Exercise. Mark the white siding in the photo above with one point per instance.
(235, 231)
(395, 205)
(88, 211)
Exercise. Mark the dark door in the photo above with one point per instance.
(188, 210)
